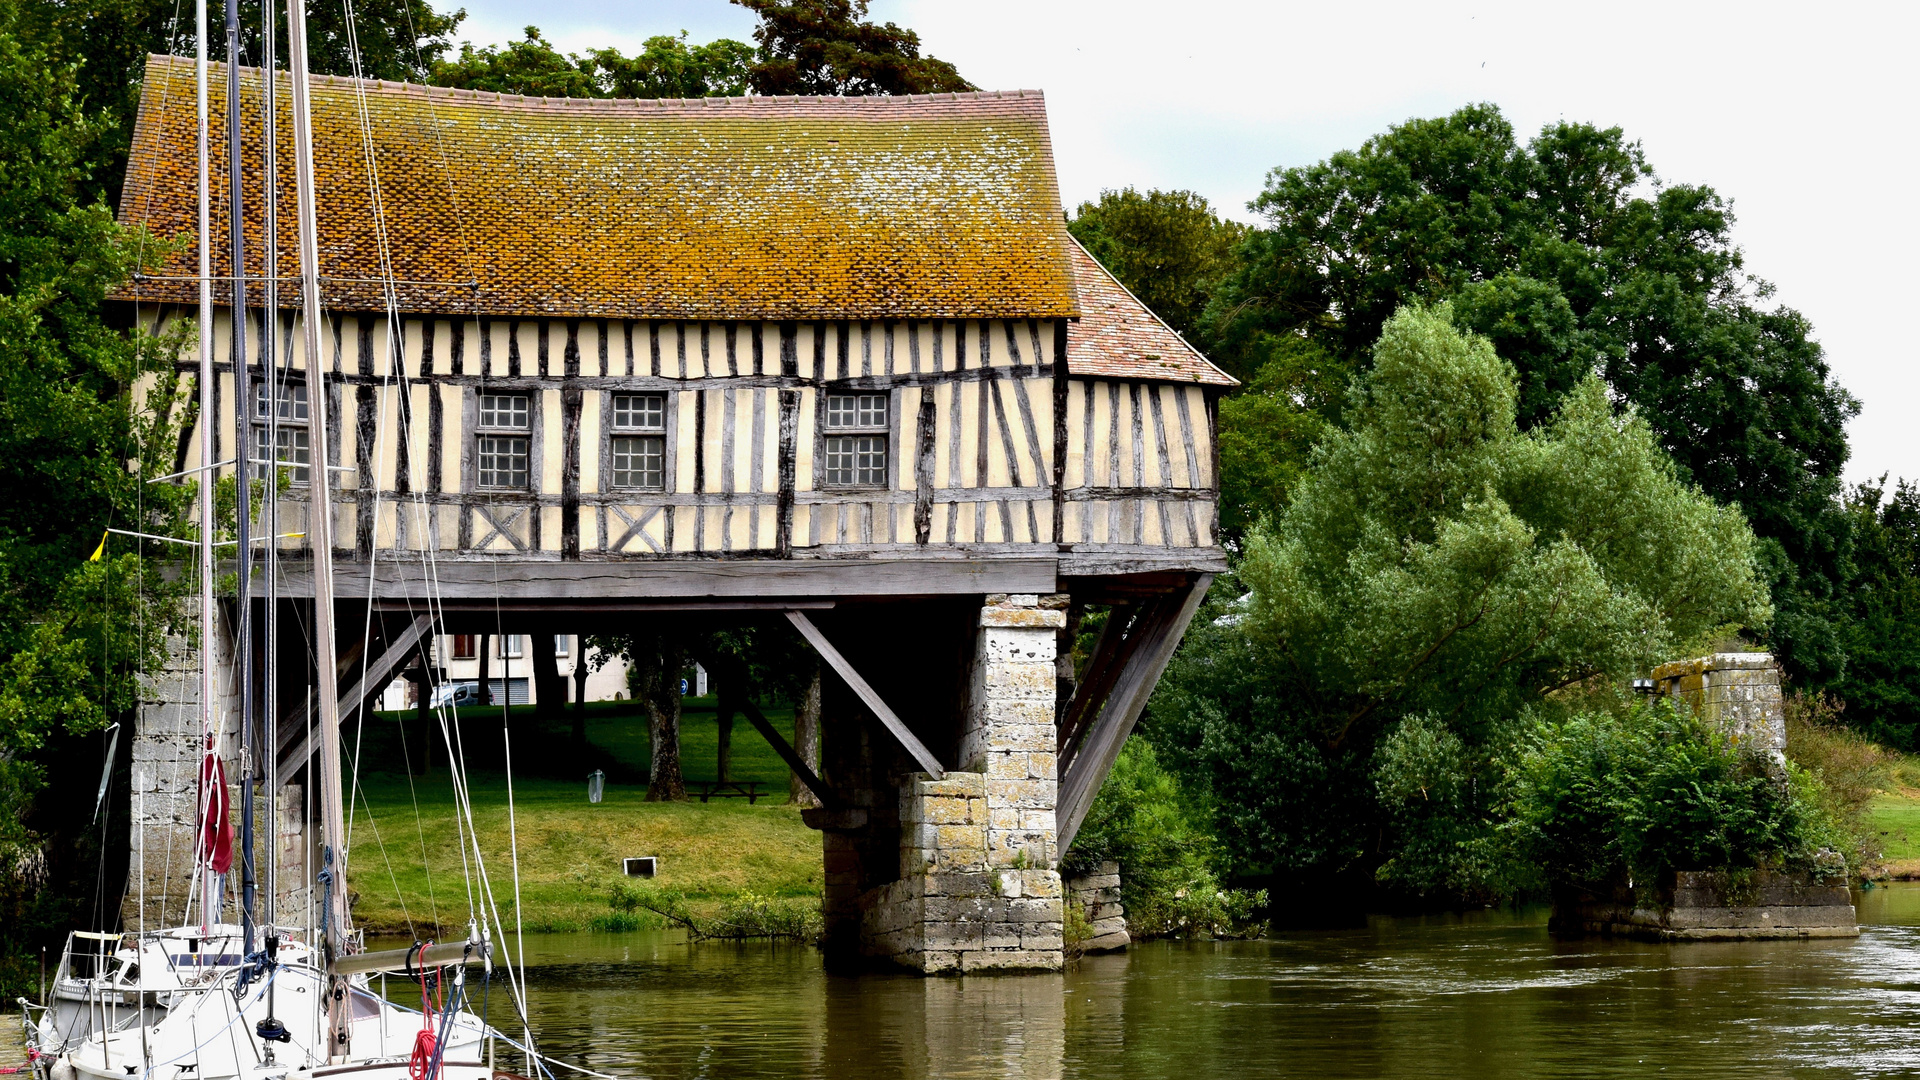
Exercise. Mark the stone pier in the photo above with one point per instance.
(1739, 693)
(1097, 892)
(979, 881)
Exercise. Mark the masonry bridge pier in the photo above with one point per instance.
(834, 363)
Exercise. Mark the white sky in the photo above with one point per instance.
(1802, 115)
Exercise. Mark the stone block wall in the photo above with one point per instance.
(1098, 894)
(1738, 692)
(165, 795)
(979, 886)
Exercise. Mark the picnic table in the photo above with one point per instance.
(713, 789)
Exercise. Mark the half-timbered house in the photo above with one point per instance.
(830, 360)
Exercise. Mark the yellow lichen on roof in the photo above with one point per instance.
(741, 208)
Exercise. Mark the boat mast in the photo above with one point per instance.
(208, 477)
(269, 339)
(320, 535)
(243, 471)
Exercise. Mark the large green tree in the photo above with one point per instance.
(1882, 683)
(73, 449)
(1167, 247)
(830, 47)
(1438, 567)
(1572, 258)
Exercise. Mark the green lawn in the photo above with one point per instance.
(1896, 817)
(406, 863)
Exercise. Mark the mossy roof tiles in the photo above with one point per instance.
(1119, 337)
(722, 208)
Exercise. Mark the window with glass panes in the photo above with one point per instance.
(637, 446)
(293, 453)
(502, 442)
(856, 440)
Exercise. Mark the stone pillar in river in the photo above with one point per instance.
(979, 886)
(1739, 693)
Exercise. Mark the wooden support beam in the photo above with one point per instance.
(839, 664)
(788, 754)
(378, 673)
(1157, 632)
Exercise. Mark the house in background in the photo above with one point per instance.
(456, 657)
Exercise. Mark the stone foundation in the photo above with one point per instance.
(979, 883)
(1715, 906)
(1098, 894)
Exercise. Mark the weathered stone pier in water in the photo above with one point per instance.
(833, 363)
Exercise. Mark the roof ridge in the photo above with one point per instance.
(877, 102)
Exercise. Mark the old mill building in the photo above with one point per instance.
(834, 361)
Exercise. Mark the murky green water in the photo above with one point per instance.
(1482, 996)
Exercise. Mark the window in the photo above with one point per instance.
(465, 647)
(293, 453)
(502, 454)
(513, 646)
(856, 440)
(560, 644)
(638, 447)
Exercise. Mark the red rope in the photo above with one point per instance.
(424, 1042)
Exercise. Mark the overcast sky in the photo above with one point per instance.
(1803, 115)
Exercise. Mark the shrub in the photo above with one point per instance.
(1602, 799)
(1168, 881)
(1851, 770)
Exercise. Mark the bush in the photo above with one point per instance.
(739, 917)
(1851, 770)
(1168, 881)
(1603, 799)
(1442, 804)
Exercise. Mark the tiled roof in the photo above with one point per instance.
(758, 207)
(1117, 336)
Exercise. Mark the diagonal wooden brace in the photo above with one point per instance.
(827, 796)
(839, 664)
(378, 673)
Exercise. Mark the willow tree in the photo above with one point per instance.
(1441, 569)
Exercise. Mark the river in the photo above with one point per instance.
(1482, 996)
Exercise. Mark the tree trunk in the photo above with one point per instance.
(580, 696)
(723, 719)
(664, 782)
(806, 739)
(422, 718)
(549, 689)
(486, 684)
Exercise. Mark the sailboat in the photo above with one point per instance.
(206, 1000)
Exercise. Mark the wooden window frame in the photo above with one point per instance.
(822, 433)
(290, 424)
(476, 430)
(667, 433)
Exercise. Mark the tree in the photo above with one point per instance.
(1167, 247)
(1882, 684)
(1571, 257)
(1439, 568)
(73, 454)
(666, 67)
(829, 47)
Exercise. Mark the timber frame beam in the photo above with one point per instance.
(375, 676)
(867, 694)
(1128, 659)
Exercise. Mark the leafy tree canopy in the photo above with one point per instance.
(1882, 684)
(829, 47)
(1436, 561)
(72, 631)
(665, 67)
(1167, 247)
(1571, 258)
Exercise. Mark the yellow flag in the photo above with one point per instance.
(101, 550)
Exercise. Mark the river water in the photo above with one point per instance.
(1481, 996)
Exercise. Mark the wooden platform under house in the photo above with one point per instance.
(595, 363)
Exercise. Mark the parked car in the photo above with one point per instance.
(456, 694)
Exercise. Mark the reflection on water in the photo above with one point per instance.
(1483, 996)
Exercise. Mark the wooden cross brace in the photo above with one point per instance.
(866, 693)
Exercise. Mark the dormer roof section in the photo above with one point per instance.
(777, 208)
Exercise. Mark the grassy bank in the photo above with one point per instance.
(406, 862)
